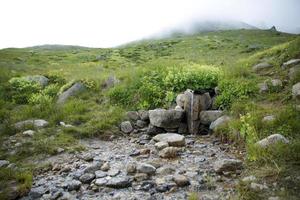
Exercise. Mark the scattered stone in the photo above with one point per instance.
(271, 140)
(63, 124)
(113, 172)
(144, 115)
(180, 99)
(87, 178)
(249, 179)
(290, 63)
(72, 91)
(145, 151)
(161, 145)
(110, 82)
(105, 167)
(87, 157)
(207, 117)
(101, 181)
(37, 192)
(4, 163)
(262, 66)
(29, 133)
(41, 80)
(166, 118)
(133, 115)
(126, 127)
(276, 83)
(146, 168)
(294, 72)
(227, 165)
(172, 139)
(219, 122)
(36, 123)
(74, 185)
(165, 170)
(119, 182)
(296, 91)
(256, 186)
(100, 174)
(140, 177)
(181, 180)
(269, 118)
(131, 168)
(169, 152)
(91, 168)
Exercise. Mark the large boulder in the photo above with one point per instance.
(36, 123)
(126, 127)
(72, 91)
(262, 66)
(166, 118)
(227, 165)
(172, 139)
(294, 72)
(207, 117)
(219, 122)
(290, 63)
(296, 91)
(41, 80)
(271, 140)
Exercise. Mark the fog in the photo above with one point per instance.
(107, 23)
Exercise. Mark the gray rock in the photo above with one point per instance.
(262, 66)
(227, 165)
(161, 145)
(4, 163)
(166, 118)
(207, 117)
(172, 139)
(180, 99)
(144, 115)
(72, 91)
(91, 168)
(105, 167)
(37, 192)
(131, 168)
(41, 80)
(141, 123)
(36, 123)
(153, 130)
(294, 72)
(87, 178)
(263, 87)
(271, 140)
(219, 122)
(87, 157)
(110, 82)
(113, 172)
(119, 182)
(169, 152)
(165, 170)
(101, 181)
(146, 168)
(276, 83)
(100, 174)
(181, 180)
(296, 91)
(290, 63)
(126, 127)
(29, 133)
(140, 177)
(74, 185)
(133, 115)
(269, 118)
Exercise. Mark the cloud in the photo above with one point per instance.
(107, 23)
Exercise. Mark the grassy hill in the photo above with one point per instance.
(151, 74)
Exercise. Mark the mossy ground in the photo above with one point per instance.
(96, 112)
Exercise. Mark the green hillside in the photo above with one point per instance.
(150, 74)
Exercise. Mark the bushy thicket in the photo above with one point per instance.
(158, 87)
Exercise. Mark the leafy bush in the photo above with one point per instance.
(158, 87)
(235, 90)
(40, 99)
(23, 89)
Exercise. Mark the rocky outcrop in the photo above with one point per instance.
(166, 118)
(272, 140)
(72, 91)
(262, 66)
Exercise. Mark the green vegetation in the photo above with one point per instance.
(151, 74)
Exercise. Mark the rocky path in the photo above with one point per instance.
(132, 168)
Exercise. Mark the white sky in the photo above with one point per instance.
(106, 23)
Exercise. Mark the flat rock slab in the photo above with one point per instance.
(173, 139)
(166, 118)
(227, 165)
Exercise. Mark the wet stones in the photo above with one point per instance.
(74, 185)
(146, 168)
(119, 182)
(172, 139)
(227, 165)
(87, 178)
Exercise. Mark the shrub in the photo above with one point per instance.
(23, 89)
(41, 99)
